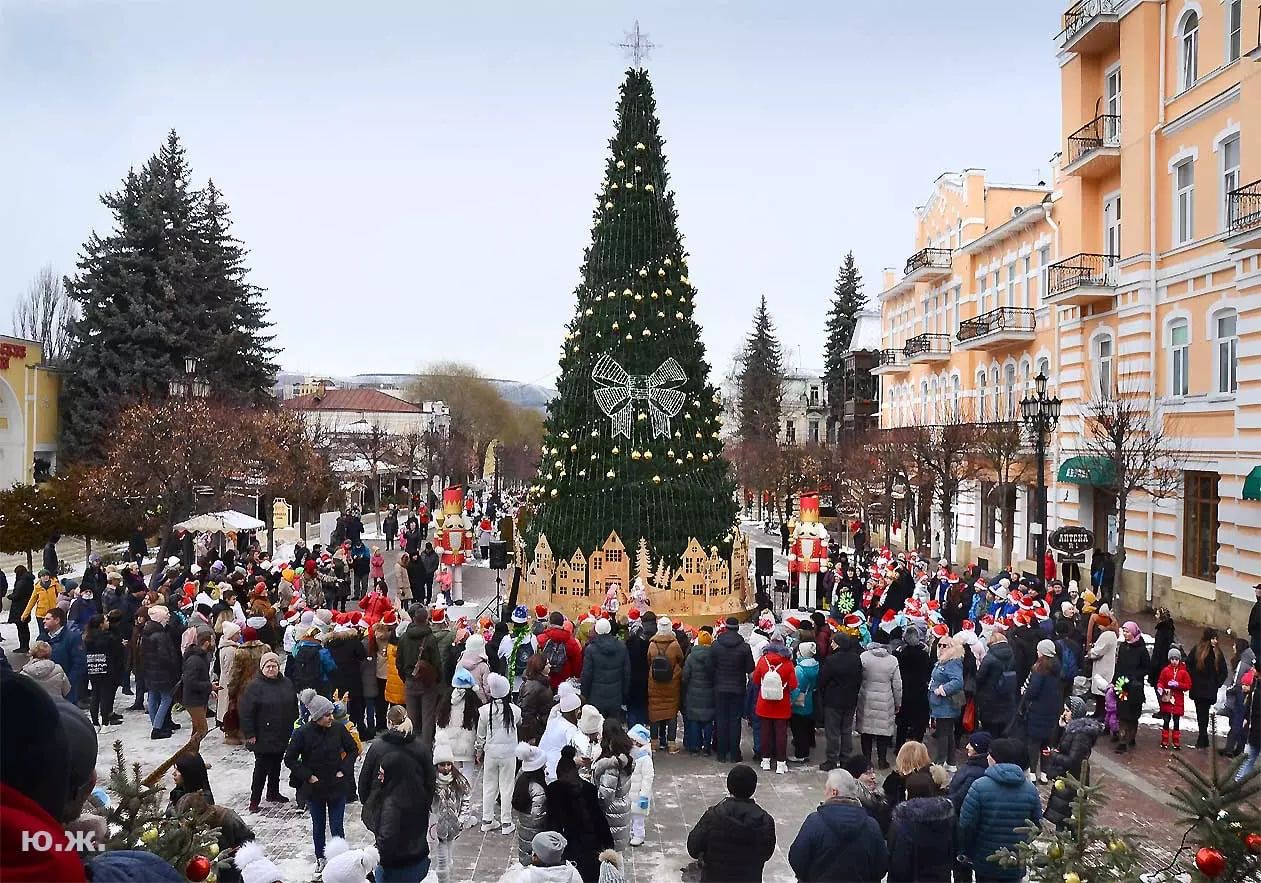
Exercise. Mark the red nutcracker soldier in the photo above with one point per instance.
(808, 553)
(453, 540)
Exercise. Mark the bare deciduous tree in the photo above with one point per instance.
(45, 313)
(1001, 448)
(376, 444)
(944, 453)
(1143, 455)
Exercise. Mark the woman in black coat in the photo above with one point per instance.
(103, 650)
(1080, 733)
(23, 586)
(1208, 669)
(322, 757)
(268, 707)
(1133, 664)
(1164, 639)
(922, 836)
(1042, 705)
(398, 814)
(573, 811)
(915, 667)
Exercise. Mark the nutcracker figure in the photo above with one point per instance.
(808, 553)
(454, 540)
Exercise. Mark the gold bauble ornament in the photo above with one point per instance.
(590, 312)
(660, 271)
(1055, 852)
(668, 262)
(148, 835)
(639, 145)
(678, 462)
(632, 316)
(1060, 785)
(616, 449)
(629, 337)
(649, 188)
(656, 479)
(647, 333)
(683, 279)
(638, 169)
(1118, 847)
(627, 292)
(613, 186)
(641, 417)
(689, 455)
(660, 314)
(635, 455)
(615, 326)
(563, 473)
(647, 455)
(679, 316)
(597, 222)
(669, 293)
(643, 272)
(678, 434)
(573, 448)
(1072, 877)
(621, 163)
(610, 474)
(687, 415)
(608, 205)
(553, 492)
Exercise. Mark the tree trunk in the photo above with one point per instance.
(1118, 578)
(303, 515)
(87, 541)
(1009, 530)
(947, 532)
(30, 561)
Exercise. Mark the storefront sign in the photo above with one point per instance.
(1071, 540)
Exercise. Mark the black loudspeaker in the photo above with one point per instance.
(763, 561)
(498, 555)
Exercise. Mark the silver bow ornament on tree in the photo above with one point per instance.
(619, 392)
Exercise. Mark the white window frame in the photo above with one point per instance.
(1179, 357)
(996, 378)
(1234, 35)
(1183, 198)
(980, 394)
(1112, 103)
(1044, 261)
(1011, 284)
(1230, 379)
(1044, 368)
(1112, 226)
(1188, 49)
(1104, 364)
(1230, 174)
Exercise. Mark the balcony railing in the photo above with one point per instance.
(891, 359)
(1244, 208)
(1081, 14)
(927, 345)
(932, 258)
(1004, 319)
(1103, 131)
(1081, 271)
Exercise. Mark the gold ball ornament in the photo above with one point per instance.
(649, 188)
(647, 333)
(687, 415)
(590, 312)
(610, 474)
(563, 473)
(1055, 852)
(629, 337)
(639, 145)
(577, 348)
(641, 417)
(1072, 877)
(661, 314)
(616, 326)
(597, 222)
(1118, 847)
(683, 279)
(616, 450)
(635, 455)
(669, 293)
(668, 262)
(632, 316)
(643, 272)
(212, 850)
(660, 271)
(148, 835)
(1060, 785)
(553, 492)
(573, 449)
(678, 462)
(613, 186)
(608, 205)
(679, 316)
(627, 292)
(656, 479)
(647, 455)
(638, 297)
(621, 163)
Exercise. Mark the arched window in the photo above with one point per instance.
(980, 394)
(1105, 379)
(924, 407)
(998, 392)
(1189, 36)
(1009, 391)
(1044, 367)
(936, 400)
(954, 395)
(1226, 350)
(1179, 357)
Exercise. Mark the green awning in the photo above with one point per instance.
(1087, 470)
(1252, 484)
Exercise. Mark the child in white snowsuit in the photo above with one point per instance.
(641, 782)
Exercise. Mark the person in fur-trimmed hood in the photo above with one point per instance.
(247, 658)
(1080, 733)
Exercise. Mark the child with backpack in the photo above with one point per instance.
(1171, 690)
(776, 678)
(641, 781)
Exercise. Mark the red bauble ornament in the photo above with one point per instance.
(1210, 862)
(1253, 842)
(198, 868)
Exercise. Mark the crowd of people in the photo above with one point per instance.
(963, 693)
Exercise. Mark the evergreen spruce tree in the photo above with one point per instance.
(761, 381)
(847, 300)
(631, 440)
(167, 282)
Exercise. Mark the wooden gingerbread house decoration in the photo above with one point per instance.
(608, 564)
(717, 578)
(537, 583)
(741, 592)
(571, 577)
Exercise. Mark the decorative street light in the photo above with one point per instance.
(1040, 414)
(192, 385)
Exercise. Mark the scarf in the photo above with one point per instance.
(522, 633)
(445, 779)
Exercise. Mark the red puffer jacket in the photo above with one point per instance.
(1174, 682)
(781, 661)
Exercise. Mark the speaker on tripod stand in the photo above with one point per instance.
(498, 561)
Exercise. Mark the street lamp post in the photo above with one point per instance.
(1040, 413)
(191, 385)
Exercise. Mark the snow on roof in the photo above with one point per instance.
(866, 331)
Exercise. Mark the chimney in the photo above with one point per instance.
(890, 278)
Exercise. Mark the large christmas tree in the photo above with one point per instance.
(631, 441)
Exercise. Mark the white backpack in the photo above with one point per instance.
(772, 689)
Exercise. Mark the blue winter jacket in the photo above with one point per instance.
(839, 841)
(997, 804)
(68, 652)
(803, 696)
(1043, 705)
(947, 674)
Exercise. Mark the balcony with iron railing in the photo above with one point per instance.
(927, 348)
(1081, 279)
(1090, 27)
(927, 264)
(1094, 150)
(998, 329)
(890, 361)
(1243, 207)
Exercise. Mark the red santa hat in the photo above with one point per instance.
(1041, 611)
(969, 625)
(484, 524)
(249, 633)
(356, 617)
(633, 613)
(390, 618)
(540, 611)
(934, 604)
(438, 614)
(940, 630)
(793, 621)
(309, 567)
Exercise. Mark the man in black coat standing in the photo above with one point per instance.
(840, 679)
(735, 838)
(50, 554)
(606, 674)
(732, 662)
(268, 708)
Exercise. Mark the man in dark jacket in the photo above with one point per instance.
(268, 708)
(429, 561)
(422, 688)
(346, 647)
(197, 683)
(732, 663)
(839, 840)
(606, 672)
(840, 678)
(137, 546)
(94, 575)
(997, 686)
(159, 654)
(978, 754)
(735, 838)
(67, 646)
(50, 554)
(641, 633)
(996, 805)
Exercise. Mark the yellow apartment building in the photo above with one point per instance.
(1136, 272)
(29, 422)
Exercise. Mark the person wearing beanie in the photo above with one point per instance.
(734, 838)
(1042, 705)
(665, 684)
(495, 750)
(562, 731)
(529, 798)
(643, 775)
(1174, 683)
(801, 724)
(975, 764)
(840, 819)
(159, 651)
(995, 810)
(267, 709)
(322, 758)
(606, 671)
(456, 720)
(915, 666)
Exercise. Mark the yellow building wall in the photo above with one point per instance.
(29, 414)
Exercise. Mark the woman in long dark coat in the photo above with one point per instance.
(574, 811)
(1133, 664)
(23, 586)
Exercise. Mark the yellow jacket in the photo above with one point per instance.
(42, 600)
(395, 693)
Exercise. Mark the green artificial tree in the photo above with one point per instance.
(187, 840)
(631, 441)
(1082, 852)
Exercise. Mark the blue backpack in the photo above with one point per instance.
(1070, 665)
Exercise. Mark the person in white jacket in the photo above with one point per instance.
(457, 721)
(562, 729)
(641, 782)
(548, 865)
(496, 748)
(1103, 654)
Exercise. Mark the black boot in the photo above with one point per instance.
(160, 734)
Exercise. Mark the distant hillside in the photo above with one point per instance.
(527, 395)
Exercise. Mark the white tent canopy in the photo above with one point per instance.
(214, 522)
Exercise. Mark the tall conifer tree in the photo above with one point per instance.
(761, 381)
(847, 300)
(631, 440)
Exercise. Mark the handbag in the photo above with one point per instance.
(969, 716)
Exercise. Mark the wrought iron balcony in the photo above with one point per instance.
(1083, 278)
(891, 361)
(927, 348)
(1094, 150)
(1003, 327)
(1091, 27)
(1243, 207)
(927, 264)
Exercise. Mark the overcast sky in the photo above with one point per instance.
(414, 180)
